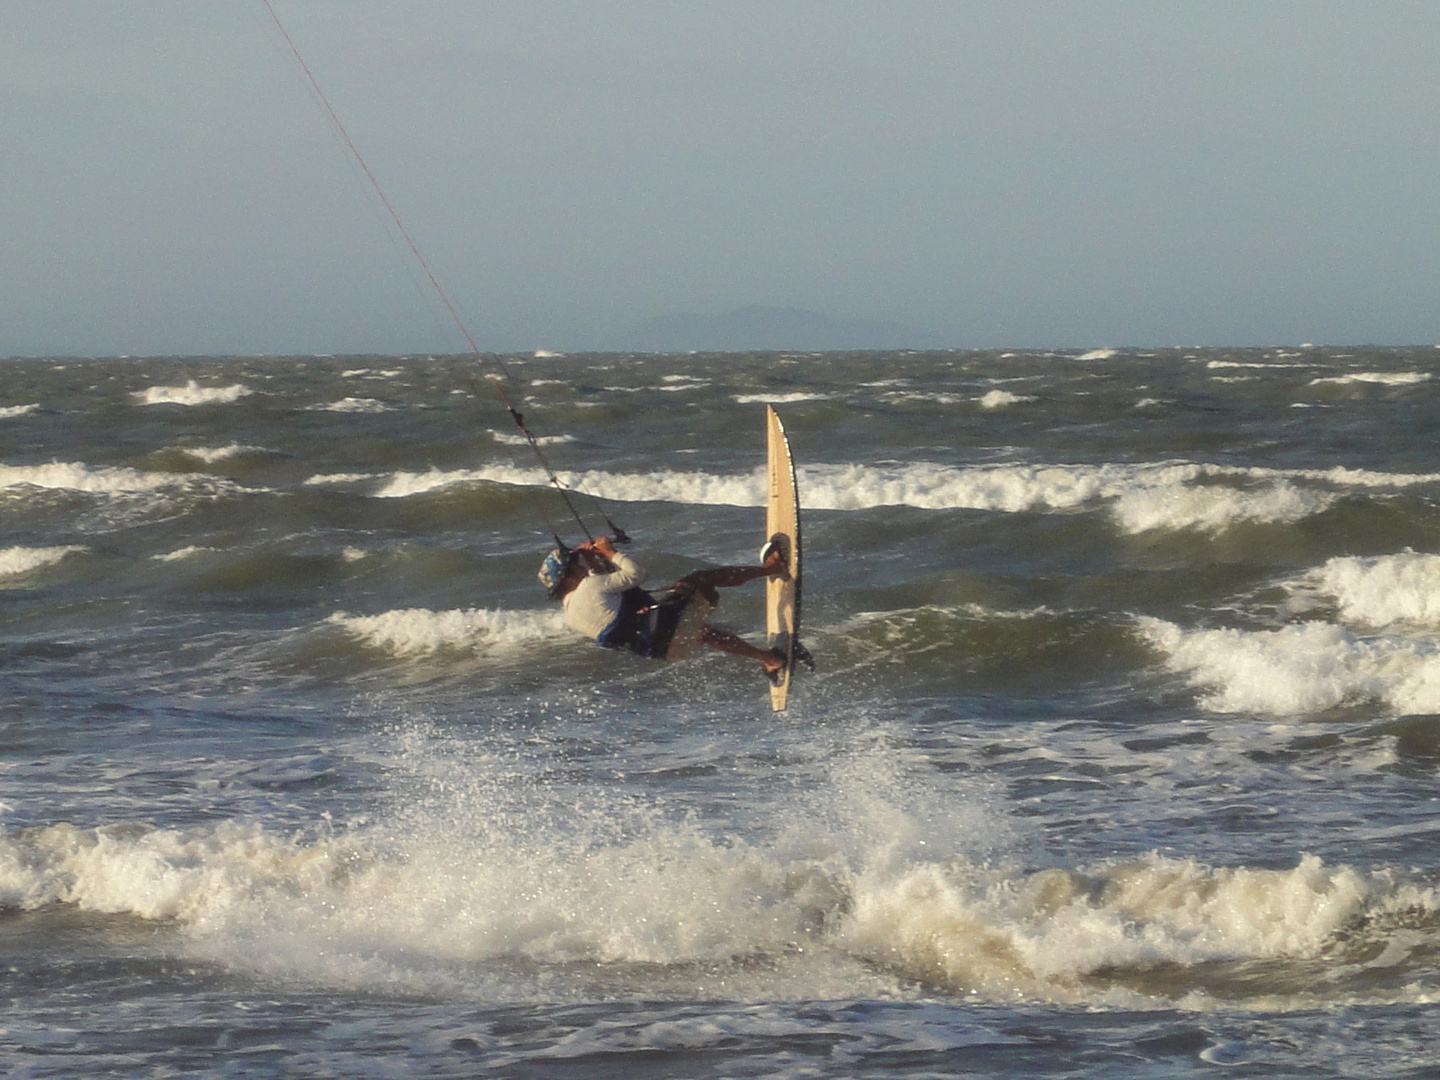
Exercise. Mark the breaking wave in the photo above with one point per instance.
(1177, 495)
(1383, 378)
(1300, 669)
(352, 405)
(22, 560)
(192, 393)
(73, 476)
(420, 631)
(841, 908)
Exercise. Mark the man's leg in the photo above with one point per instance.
(706, 582)
(733, 643)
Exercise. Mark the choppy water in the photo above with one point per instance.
(1121, 760)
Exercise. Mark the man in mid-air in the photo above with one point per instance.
(600, 588)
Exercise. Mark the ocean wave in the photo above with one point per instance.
(821, 917)
(1213, 507)
(1381, 590)
(899, 397)
(192, 393)
(508, 439)
(352, 405)
(17, 410)
(695, 488)
(1214, 364)
(181, 553)
(216, 454)
(1145, 497)
(74, 476)
(321, 479)
(778, 399)
(1383, 378)
(420, 631)
(22, 560)
(997, 399)
(1098, 354)
(1300, 669)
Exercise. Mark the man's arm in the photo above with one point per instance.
(614, 571)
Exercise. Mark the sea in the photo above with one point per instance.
(1121, 758)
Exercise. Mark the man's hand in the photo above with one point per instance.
(597, 554)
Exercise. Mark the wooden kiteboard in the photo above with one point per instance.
(782, 517)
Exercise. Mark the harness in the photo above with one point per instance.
(645, 624)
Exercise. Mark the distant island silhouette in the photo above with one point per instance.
(765, 328)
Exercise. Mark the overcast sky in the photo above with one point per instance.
(1012, 173)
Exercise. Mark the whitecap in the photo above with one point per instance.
(1213, 507)
(998, 399)
(1300, 669)
(73, 476)
(1150, 496)
(9, 411)
(420, 631)
(213, 455)
(339, 478)
(1382, 378)
(15, 561)
(181, 553)
(509, 439)
(352, 405)
(778, 399)
(192, 393)
(1381, 590)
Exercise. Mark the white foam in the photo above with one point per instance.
(192, 393)
(17, 410)
(692, 488)
(778, 399)
(73, 476)
(212, 455)
(1300, 669)
(22, 560)
(1214, 364)
(1383, 378)
(1382, 590)
(997, 399)
(900, 396)
(509, 439)
(339, 478)
(1098, 354)
(352, 405)
(181, 553)
(844, 906)
(420, 631)
(1214, 507)
(1145, 497)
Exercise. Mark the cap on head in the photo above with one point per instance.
(552, 570)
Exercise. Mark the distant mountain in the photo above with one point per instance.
(759, 328)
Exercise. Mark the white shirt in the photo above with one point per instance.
(593, 605)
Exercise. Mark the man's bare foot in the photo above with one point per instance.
(773, 559)
(775, 665)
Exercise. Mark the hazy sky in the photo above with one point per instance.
(992, 173)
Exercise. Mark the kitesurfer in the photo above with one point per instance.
(600, 588)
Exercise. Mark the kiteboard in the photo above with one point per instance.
(782, 523)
